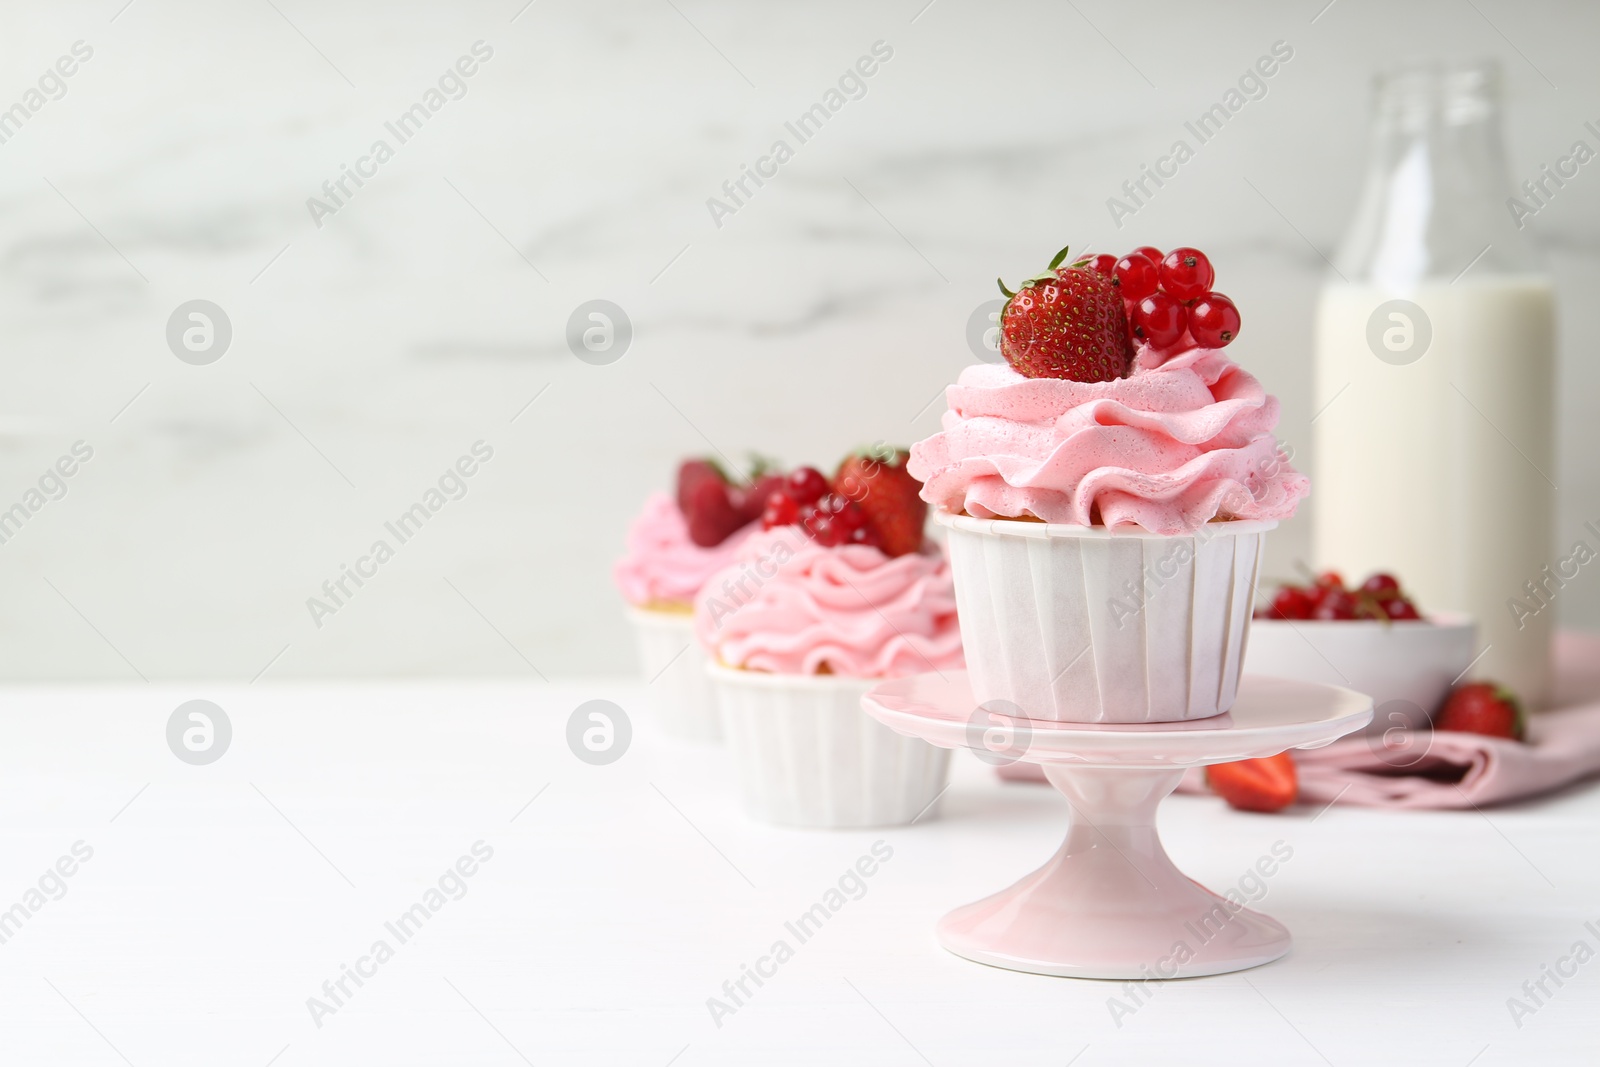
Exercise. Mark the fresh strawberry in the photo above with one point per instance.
(1267, 784)
(750, 500)
(877, 480)
(691, 472)
(710, 513)
(707, 503)
(715, 508)
(1482, 708)
(1068, 322)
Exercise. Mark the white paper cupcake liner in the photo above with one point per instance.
(808, 755)
(1083, 624)
(675, 668)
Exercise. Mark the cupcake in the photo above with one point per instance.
(673, 547)
(1106, 493)
(838, 591)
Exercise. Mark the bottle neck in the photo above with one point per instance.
(1434, 202)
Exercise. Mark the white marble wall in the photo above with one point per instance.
(370, 353)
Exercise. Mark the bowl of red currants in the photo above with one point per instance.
(1371, 638)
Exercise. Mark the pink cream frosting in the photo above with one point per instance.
(662, 567)
(791, 606)
(1168, 448)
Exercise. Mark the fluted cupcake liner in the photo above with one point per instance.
(807, 755)
(675, 667)
(1085, 624)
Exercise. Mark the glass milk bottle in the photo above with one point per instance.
(1434, 363)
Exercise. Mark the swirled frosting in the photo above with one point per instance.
(662, 568)
(1168, 448)
(791, 606)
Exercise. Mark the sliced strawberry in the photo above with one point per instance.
(1266, 784)
(877, 480)
(1482, 708)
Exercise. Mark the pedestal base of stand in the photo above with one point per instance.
(1110, 903)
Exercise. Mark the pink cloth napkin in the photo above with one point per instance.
(1454, 770)
(1451, 770)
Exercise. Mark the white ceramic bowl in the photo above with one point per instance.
(1405, 667)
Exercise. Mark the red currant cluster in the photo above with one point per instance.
(1326, 600)
(1165, 296)
(806, 498)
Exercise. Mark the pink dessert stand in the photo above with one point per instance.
(1110, 903)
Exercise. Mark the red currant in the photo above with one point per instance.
(1336, 604)
(781, 510)
(1381, 583)
(1324, 584)
(1135, 276)
(1159, 320)
(851, 520)
(1150, 252)
(819, 525)
(1186, 274)
(1214, 321)
(1103, 263)
(836, 520)
(1292, 602)
(806, 485)
(1401, 609)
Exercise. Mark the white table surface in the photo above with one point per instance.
(219, 898)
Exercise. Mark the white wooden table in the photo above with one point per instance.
(618, 899)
